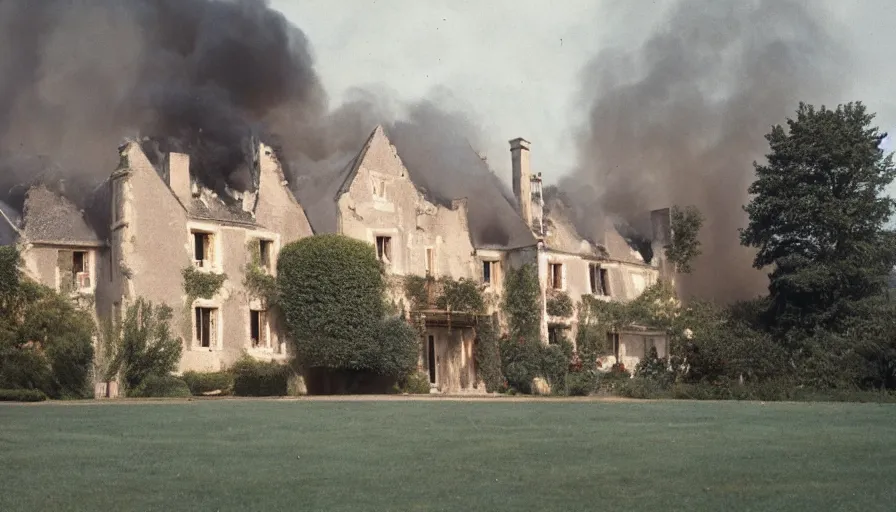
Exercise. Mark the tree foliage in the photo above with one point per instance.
(45, 341)
(684, 247)
(332, 293)
(818, 214)
(148, 347)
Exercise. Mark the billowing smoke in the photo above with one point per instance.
(77, 77)
(681, 119)
(200, 77)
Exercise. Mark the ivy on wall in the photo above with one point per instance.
(560, 305)
(260, 284)
(201, 285)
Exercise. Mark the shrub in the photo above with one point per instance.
(488, 355)
(22, 395)
(332, 295)
(415, 383)
(161, 386)
(612, 380)
(554, 365)
(45, 343)
(581, 383)
(258, 378)
(147, 345)
(201, 383)
(520, 362)
(642, 388)
(461, 295)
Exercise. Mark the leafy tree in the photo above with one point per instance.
(818, 216)
(45, 341)
(685, 245)
(332, 291)
(147, 346)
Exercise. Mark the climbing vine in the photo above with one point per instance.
(203, 285)
(522, 302)
(260, 284)
(463, 295)
(559, 304)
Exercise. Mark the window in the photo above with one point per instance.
(384, 248)
(600, 282)
(613, 341)
(556, 334)
(556, 275)
(258, 328)
(379, 188)
(206, 327)
(81, 269)
(430, 261)
(264, 254)
(490, 272)
(203, 249)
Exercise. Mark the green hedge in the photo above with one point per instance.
(257, 378)
(161, 386)
(201, 383)
(22, 395)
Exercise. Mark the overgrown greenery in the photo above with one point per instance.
(260, 283)
(463, 295)
(521, 303)
(161, 386)
(487, 354)
(332, 293)
(201, 285)
(22, 395)
(258, 378)
(148, 347)
(204, 383)
(560, 305)
(45, 341)
(818, 216)
(684, 247)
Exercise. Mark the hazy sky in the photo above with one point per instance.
(515, 63)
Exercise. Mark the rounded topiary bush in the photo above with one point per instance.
(332, 294)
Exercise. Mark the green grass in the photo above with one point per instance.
(446, 455)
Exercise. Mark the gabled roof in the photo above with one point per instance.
(50, 218)
(492, 219)
(320, 194)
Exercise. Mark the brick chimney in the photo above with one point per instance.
(522, 177)
(179, 177)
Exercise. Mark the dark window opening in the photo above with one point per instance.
(430, 261)
(258, 328)
(556, 275)
(80, 269)
(202, 249)
(600, 280)
(613, 341)
(264, 253)
(205, 326)
(487, 272)
(431, 359)
(556, 334)
(384, 248)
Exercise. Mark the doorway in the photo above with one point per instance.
(431, 355)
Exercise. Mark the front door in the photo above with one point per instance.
(431, 358)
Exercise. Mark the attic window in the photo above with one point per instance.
(384, 248)
(556, 275)
(430, 261)
(379, 188)
(600, 280)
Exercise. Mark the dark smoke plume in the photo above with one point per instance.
(76, 77)
(200, 77)
(681, 119)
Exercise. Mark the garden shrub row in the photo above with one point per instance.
(161, 386)
(22, 395)
(208, 383)
(259, 378)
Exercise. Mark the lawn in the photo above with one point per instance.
(447, 455)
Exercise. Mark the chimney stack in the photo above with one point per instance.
(522, 176)
(179, 177)
(661, 224)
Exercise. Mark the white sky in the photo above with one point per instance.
(515, 63)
